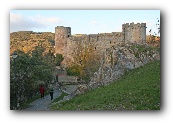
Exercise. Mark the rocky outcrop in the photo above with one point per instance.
(115, 62)
(120, 59)
(81, 89)
(74, 91)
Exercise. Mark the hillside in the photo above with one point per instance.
(27, 41)
(138, 89)
(153, 40)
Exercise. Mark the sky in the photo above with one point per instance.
(81, 21)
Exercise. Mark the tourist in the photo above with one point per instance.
(42, 90)
(51, 93)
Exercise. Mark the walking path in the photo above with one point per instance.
(43, 104)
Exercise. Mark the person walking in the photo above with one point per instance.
(42, 90)
(51, 93)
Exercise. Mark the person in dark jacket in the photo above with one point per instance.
(42, 90)
(51, 93)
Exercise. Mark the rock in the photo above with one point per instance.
(156, 56)
(81, 89)
(145, 60)
(138, 64)
(127, 57)
(129, 65)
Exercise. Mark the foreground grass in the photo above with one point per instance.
(60, 97)
(138, 89)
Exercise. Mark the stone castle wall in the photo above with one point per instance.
(61, 36)
(68, 44)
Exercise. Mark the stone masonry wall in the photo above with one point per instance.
(61, 36)
(66, 44)
(134, 33)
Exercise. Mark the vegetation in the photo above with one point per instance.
(27, 73)
(26, 41)
(60, 97)
(137, 49)
(153, 39)
(33, 66)
(138, 89)
(59, 58)
(86, 61)
(74, 70)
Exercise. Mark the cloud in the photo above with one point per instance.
(94, 22)
(19, 22)
(44, 20)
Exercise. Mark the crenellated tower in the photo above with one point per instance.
(134, 33)
(61, 36)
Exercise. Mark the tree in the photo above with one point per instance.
(154, 38)
(85, 60)
(59, 58)
(73, 71)
(31, 71)
(157, 28)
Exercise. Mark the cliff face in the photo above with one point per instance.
(118, 60)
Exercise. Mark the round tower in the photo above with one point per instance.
(61, 36)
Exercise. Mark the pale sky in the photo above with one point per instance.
(81, 21)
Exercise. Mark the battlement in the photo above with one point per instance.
(133, 25)
(134, 32)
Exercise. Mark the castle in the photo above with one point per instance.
(66, 44)
(70, 46)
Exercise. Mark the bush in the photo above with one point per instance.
(59, 58)
(73, 71)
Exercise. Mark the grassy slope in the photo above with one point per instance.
(138, 89)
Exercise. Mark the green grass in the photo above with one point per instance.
(52, 105)
(60, 97)
(138, 89)
(144, 49)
